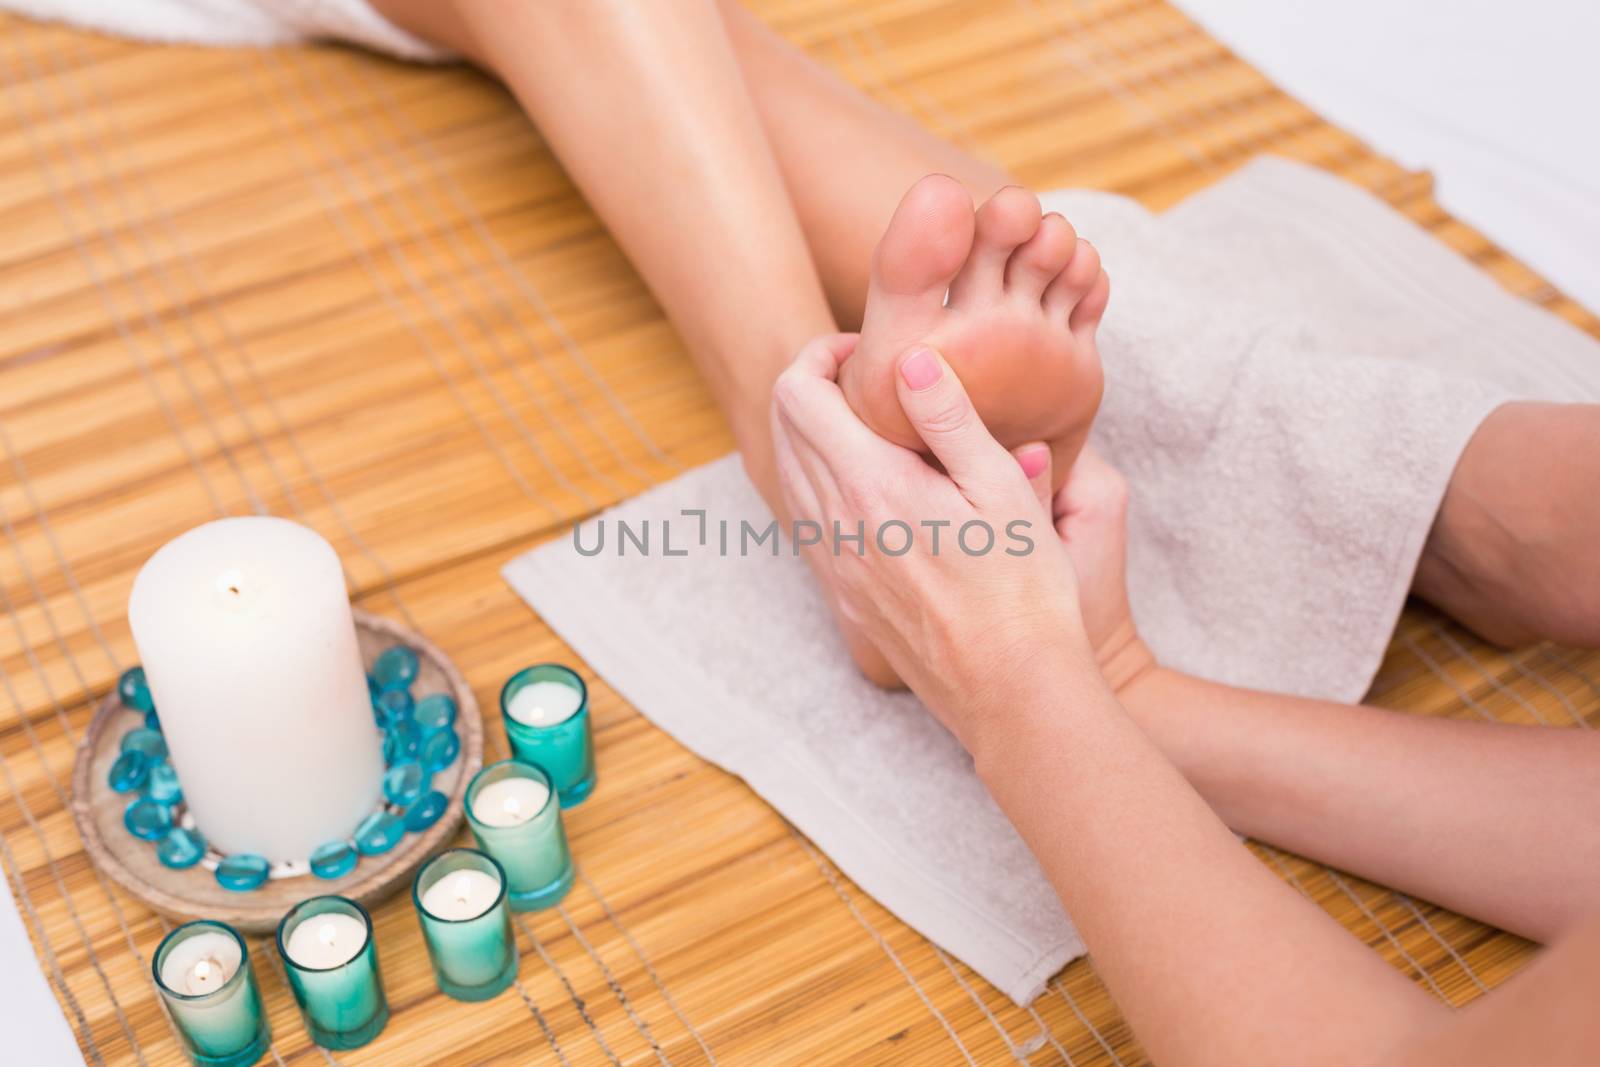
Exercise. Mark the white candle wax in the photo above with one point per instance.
(245, 632)
(544, 703)
(326, 940)
(461, 895)
(201, 964)
(509, 802)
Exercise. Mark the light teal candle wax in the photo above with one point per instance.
(331, 961)
(546, 713)
(203, 972)
(460, 897)
(516, 818)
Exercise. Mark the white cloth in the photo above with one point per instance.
(235, 22)
(1293, 370)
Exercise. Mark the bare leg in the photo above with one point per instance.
(646, 108)
(846, 159)
(1513, 553)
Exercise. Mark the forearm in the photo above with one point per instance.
(647, 110)
(1492, 821)
(1184, 924)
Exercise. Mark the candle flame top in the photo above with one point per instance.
(327, 934)
(463, 888)
(204, 976)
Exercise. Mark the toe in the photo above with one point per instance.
(926, 243)
(1074, 281)
(1006, 220)
(1086, 316)
(1038, 260)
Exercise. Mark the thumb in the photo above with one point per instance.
(942, 414)
(1034, 459)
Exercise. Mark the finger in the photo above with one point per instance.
(814, 410)
(822, 356)
(1034, 459)
(1092, 485)
(822, 483)
(795, 479)
(943, 416)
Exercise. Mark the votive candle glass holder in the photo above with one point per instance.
(534, 854)
(475, 957)
(343, 1006)
(564, 750)
(223, 1026)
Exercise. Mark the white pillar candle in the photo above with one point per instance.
(327, 940)
(544, 703)
(461, 895)
(245, 632)
(510, 801)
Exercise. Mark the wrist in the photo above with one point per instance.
(1038, 695)
(1124, 658)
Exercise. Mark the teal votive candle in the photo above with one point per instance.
(546, 712)
(203, 972)
(513, 811)
(331, 959)
(460, 896)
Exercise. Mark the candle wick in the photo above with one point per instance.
(463, 889)
(327, 935)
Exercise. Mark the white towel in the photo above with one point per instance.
(1293, 370)
(235, 22)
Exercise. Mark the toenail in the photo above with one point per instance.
(1033, 460)
(921, 369)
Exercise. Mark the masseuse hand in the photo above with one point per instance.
(975, 632)
(1091, 518)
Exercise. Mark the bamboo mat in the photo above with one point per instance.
(322, 285)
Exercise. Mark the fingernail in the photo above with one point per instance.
(1033, 460)
(921, 369)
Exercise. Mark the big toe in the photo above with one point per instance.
(926, 243)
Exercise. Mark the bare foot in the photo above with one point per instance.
(1025, 297)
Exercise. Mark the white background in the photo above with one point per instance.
(1498, 99)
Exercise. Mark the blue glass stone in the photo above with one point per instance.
(405, 782)
(435, 712)
(242, 872)
(440, 750)
(396, 668)
(379, 832)
(181, 848)
(129, 771)
(425, 812)
(401, 742)
(335, 859)
(394, 706)
(148, 741)
(152, 721)
(134, 691)
(147, 819)
(162, 784)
